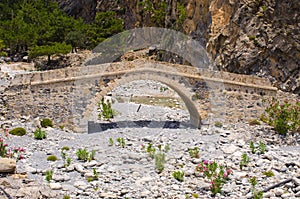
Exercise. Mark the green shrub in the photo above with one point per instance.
(160, 160)
(121, 142)
(178, 175)
(244, 160)
(107, 112)
(83, 154)
(49, 174)
(19, 131)
(46, 123)
(39, 134)
(218, 124)
(282, 116)
(194, 153)
(66, 197)
(268, 173)
(51, 158)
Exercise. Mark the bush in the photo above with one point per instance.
(46, 123)
(178, 175)
(19, 131)
(107, 112)
(83, 154)
(282, 116)
(49, 175)
(51, 158)
(39, 134)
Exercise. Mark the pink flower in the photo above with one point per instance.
(21, 157)
(225, 175)
(21, 149)
(205, 162)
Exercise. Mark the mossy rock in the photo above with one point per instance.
(19, 131)
(52, 158)
(46, 123)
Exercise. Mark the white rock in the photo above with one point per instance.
(229, 149)
(55, 186)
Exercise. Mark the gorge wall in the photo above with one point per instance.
(242, 36)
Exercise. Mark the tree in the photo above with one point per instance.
(105, 25)
(56, 48)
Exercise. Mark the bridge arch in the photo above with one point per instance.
(172, 79)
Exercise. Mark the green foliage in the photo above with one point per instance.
(268, 173)
(107, 112)
(94, 177)
(284, 117)
(56, 48)
(39, 134)
(218, 124)
(151, 150)
(52, 158)
(244, 160)
(155, 11)
(49, 174)
(217, 174)
(19, 131)
(121, 142)
(262, 147)
(252, 147)
(160, 160)
(254, 122)
(194, 153)
(182, 15)
(64, 156)
(105, 25)
(46, 123)
(110, 142)
(83, 154)
(256, 194)
(67, 197)
(178, 175)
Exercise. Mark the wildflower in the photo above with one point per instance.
(21, 149)
(205, 162)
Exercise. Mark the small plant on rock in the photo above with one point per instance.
(39, 134)
(151, 150)
(217, 174)
(107, 112)
(262, 147)
(256, 194)
(178, 175)
(160, 160)
(218, 124)
(83, 154)
(194, 153)
(52, 158)
(121, 142)
(268, 173)
(110, 142)
(19, 131)
(252, 147)
(49, 175)
(46, 123)
(67, 197)
(244, 160)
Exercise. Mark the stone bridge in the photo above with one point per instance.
(69, 96)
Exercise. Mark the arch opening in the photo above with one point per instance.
(184, 93)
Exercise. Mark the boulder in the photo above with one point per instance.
(7, 165)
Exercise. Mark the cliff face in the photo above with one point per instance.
(250, 37)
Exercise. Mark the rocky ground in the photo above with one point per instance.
(129, 171)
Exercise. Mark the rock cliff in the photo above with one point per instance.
(242, 36)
